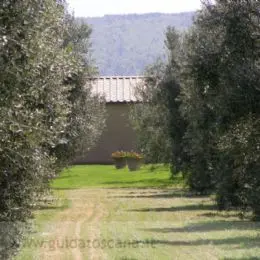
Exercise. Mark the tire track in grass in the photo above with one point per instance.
(95, 251)
(66, 228)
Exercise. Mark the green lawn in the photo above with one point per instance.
(106, 176)
(137, 215)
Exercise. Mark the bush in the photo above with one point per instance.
(134, 155)
(119, 154)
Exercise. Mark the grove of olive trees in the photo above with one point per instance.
(45, 110)
(208, 101)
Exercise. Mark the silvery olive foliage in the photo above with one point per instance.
(44, 106)
(147, 120)
(209, 110)
(221, 102)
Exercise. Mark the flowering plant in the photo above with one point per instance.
(134, 155)
(118, 154)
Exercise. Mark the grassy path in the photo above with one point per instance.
(139, 223)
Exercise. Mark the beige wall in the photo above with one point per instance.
(118, 135)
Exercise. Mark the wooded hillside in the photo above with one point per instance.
(125, 44)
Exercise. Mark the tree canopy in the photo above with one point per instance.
(42, 94)
(208, 100)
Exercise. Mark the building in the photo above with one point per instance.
(119, 93)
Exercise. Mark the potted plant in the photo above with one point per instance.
(119, 158)
(134, 160)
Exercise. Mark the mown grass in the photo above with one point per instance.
(106, 176)
(172, 225)
(163, 220)
(43, 214)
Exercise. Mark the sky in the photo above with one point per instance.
(93, 8)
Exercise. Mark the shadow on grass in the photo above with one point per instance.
(128, 187)
(160, 183)
(61, 188)
(177, 208)
(51, 207)
(220, 225)
(241, 258)
(71, 176)
(245, 242)
(221, 214)
(180, 193)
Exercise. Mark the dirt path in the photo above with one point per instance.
(72, 234)
(145, 224)
(75, 233)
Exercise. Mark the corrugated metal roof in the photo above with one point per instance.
(117, 89)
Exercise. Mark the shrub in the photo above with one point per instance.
(118, 154)
(134, 155)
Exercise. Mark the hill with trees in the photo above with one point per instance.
(126, 44)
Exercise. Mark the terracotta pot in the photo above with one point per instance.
(120, 163)
(134, 164)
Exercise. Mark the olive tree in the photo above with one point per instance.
(42, 79)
